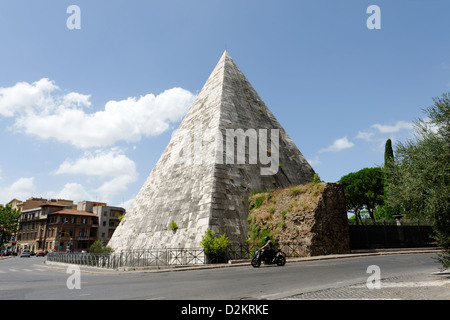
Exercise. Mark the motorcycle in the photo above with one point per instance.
(278, 258)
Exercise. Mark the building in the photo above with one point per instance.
(32, 226)
(108, 221)
(53, 226)
(70, 230)
(108, 217)
(15, 204)
(59, 225)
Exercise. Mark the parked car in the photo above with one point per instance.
(25, 253)
(40, 254)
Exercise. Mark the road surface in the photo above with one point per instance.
(30, 278)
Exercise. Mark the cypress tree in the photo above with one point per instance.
(388, 153)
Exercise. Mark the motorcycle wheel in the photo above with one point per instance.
(256, 262)
(281, 260)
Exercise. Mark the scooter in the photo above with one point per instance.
(278, 258)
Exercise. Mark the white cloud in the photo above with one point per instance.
(314, 162)
(365, 135)
(400, 125)
(112, 165)
(23, 97)
(114, 186)
(377, 134)
(126, 204)
(42, 111)
(338, 145)
(73, 191)
(23, 188)
(100, 163)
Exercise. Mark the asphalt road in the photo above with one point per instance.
(30, 279)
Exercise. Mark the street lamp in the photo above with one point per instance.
(60, 232)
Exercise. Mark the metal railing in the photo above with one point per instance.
(167, 257)
(133, 258)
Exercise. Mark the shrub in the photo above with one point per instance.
(173, 226)
(212, 245)
(258, 201)
(98, 248)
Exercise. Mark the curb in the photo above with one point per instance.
(354, 254)
(246, 262)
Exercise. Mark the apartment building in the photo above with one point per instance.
(108, 217)
(108, 221)
(57, 227)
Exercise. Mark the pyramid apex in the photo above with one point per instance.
(226, 54)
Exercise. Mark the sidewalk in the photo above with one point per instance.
(434, 286)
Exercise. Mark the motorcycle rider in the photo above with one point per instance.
(269, 253)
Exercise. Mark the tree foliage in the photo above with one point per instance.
(212, 244)
(9, 220)
(363, 190)
(418, 181)
(98, 248)
(388, 153)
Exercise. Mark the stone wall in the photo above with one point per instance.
(313, 214)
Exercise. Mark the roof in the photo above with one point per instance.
(54, 205)
(74, 212)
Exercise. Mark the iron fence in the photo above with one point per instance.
(133, 258)
(168, 257)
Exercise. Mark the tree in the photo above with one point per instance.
(388, 153)
(363, 189)
(9, 221)
(419, 180)
(353, 194)
(388, 163)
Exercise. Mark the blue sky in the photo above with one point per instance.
(338, 88)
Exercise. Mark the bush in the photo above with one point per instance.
(316, 178)
(98, 248)
(214, 246)
(173, 226)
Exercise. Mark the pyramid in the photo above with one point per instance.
(228, 145)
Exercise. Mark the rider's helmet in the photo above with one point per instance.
(266, 238)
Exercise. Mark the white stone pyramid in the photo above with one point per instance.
(204, 177)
